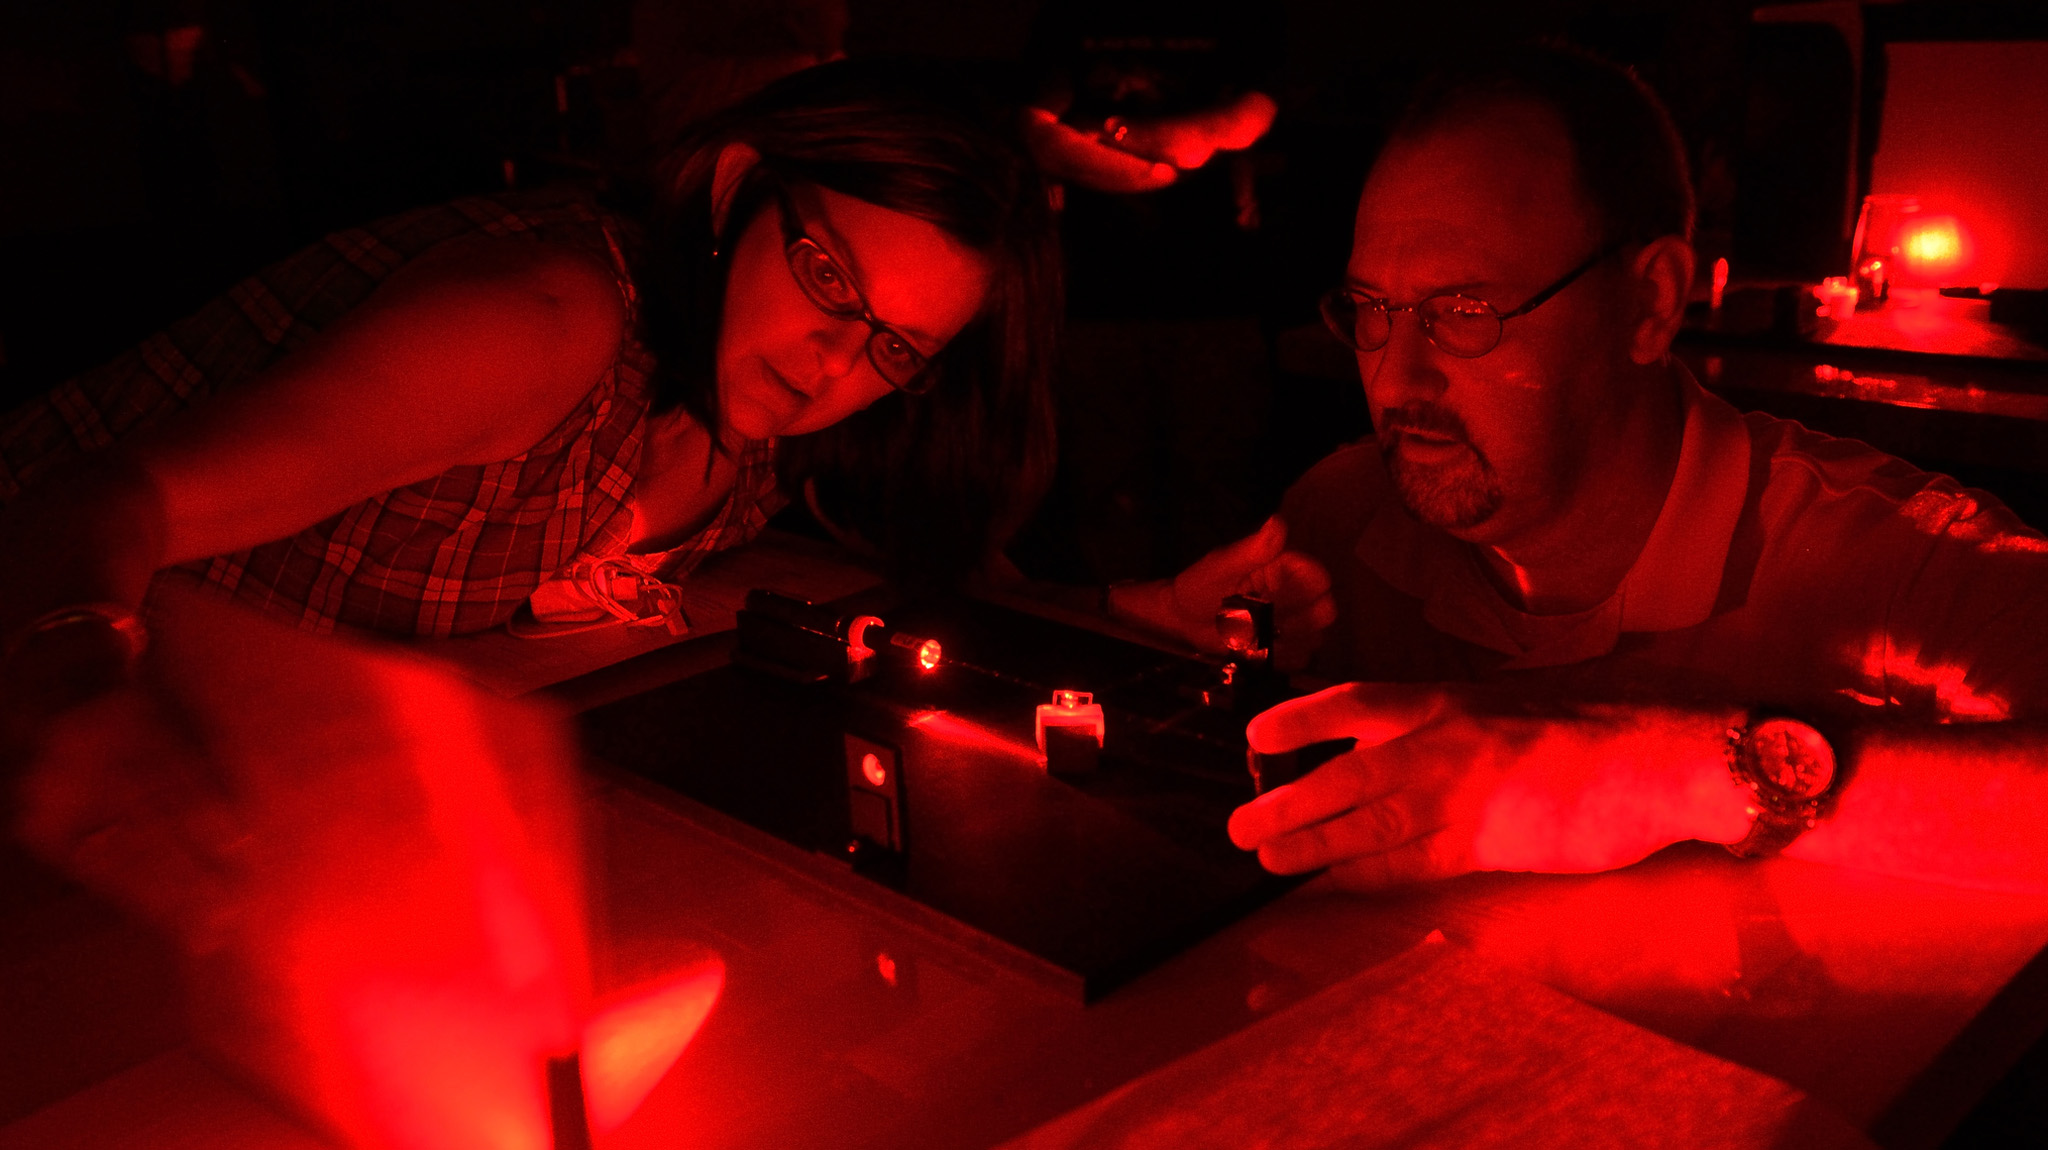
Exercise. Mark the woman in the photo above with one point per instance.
(850, 289)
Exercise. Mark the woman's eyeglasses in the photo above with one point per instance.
(831, 291)
(1460, 325)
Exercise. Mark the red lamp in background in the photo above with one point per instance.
(1901, 244)
(1936, 247)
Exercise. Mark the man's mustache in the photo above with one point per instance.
(1424, 417)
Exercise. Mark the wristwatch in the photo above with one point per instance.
(1789, 769)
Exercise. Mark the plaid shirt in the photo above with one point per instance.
(448, 555)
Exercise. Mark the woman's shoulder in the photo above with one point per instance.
(545, 233)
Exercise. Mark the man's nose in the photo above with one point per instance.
(1408, 367)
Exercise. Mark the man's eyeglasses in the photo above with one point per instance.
(831, 291)
(1458, 324)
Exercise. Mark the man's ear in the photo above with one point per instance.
(1663, 278)
(735, 160)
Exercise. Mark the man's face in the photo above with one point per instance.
(1489, 207)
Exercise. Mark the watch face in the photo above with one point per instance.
(1792, 755)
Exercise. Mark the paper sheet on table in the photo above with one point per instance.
(1438, 1049)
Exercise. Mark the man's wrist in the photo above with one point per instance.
(1716, 809)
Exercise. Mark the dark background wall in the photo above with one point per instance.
(153, 150)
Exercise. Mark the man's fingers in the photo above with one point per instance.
(1316, 618)
(1237, 566)
(1372, 713)
(1239, 124)
(1305, 616)
(1066, 154)
(1375, 827)
(1289, 578)
(1423, 859)
(1343, 783)
(1190, 141)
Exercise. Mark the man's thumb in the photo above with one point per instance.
(1255, 550)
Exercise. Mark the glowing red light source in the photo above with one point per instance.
(1933, 244)
(873, 771)
(928, 654)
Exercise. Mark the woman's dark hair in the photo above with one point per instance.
(1631, 161)
(937, 482)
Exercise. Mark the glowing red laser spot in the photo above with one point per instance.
(633, 1040)
(929, 653)
(873, 771)
(954, 729)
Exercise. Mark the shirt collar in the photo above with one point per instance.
(1677, 578)
(1673, 583)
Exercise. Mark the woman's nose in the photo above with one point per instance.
(841, 346)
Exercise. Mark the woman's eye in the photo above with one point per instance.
(897, 351)
(833, 284)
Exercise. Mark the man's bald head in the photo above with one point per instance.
(1630, 160)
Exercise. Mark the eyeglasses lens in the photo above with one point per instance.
(822, 281)
(1362, 325)
(1461, 326)
(897, 363)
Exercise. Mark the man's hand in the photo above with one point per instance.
(1188, 142)
(1259, 564)
(1076, 157)
(1449, 779)
(1145, 155)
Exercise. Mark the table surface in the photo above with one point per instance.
(1890, 1004)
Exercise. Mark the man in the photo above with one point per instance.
(1593, 609)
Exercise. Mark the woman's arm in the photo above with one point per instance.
(468, 356)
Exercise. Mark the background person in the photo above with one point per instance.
(1578, 592)
(411, 426)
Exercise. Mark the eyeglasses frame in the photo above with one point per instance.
(1501, 317)
(793, 239)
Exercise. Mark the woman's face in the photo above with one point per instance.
(785, 367)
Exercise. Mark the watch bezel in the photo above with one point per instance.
(1781, 813)
(1810, 785)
